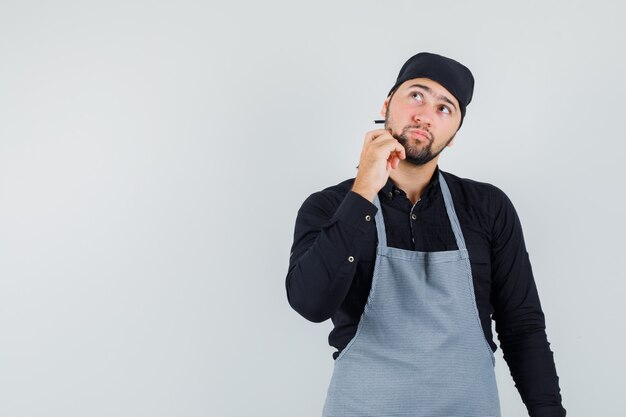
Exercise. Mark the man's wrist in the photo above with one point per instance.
(365, 193)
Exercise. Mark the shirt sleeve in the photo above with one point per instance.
(325, 251)
(520, 322)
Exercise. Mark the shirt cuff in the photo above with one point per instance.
(356, 211)
(552, 411)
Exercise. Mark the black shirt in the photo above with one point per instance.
(332, 263)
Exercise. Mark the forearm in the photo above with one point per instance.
(324, 255)
(531, 363)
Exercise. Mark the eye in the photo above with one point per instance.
(446, 109)
(416, 94)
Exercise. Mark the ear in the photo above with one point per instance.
(383, 110)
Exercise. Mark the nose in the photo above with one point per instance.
(422, 116)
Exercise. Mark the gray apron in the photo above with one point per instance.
(419, 349)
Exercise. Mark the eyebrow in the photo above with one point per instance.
(430, 91)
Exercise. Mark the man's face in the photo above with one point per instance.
(424, 117)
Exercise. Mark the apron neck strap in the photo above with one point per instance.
(447, 199)
(454, 220)
(380, 223)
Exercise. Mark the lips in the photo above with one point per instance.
(420, 133)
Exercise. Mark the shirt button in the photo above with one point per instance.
(350, 258)
(397, 191)
(368, 217)
(413, 216)
(390, 194)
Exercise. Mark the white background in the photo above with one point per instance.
(153, 156)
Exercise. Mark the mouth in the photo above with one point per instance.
(420, 134)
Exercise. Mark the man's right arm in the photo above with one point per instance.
(325, 251)
(326, 245)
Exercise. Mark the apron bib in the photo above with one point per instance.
(419, 349)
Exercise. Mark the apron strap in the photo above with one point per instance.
(380, 223)
(454, 220)
(447, 199)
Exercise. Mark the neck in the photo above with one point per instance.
(413, 179)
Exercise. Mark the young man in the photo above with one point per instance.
(411, 264)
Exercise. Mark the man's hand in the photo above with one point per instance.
(381, 153)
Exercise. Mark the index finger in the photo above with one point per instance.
(373, 134)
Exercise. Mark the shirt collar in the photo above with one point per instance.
(391, 190)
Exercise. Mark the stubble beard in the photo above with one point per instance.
(417, 155)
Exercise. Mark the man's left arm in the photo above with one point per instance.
(520, 322)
